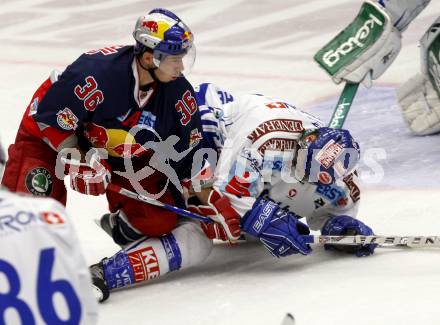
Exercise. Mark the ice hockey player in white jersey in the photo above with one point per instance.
(275, 157)
(45, 279)
(254, 134)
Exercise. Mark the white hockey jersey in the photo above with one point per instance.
(44, 278)
(257, 137)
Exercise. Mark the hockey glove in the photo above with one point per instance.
(91, 178)
(227, 220)
(279, 231)
(348, 226)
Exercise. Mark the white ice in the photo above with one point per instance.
(265, 47)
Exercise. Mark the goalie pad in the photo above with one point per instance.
(363, 50)
(420, 105)
(430, 54)
(419, 97)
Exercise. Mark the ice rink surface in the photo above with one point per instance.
(263, 47)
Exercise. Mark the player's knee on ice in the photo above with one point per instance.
(194, 246)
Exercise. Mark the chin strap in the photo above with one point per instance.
(151, 71)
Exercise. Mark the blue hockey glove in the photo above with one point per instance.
(345, 225)
(330, 154)
(278, 230)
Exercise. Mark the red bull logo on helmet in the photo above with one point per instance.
(151, 25)
(156, 28)
(187, 38)
(67, 120)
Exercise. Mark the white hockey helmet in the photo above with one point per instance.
(164, 34)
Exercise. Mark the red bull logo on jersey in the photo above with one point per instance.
(97, 135)
(119, 143)
(67, 120)
(127, 150)
(195, 137)
(33, 107)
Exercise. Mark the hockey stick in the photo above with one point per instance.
(383, 241)
(343, 107)
(149, 200)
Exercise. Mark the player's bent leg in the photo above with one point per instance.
(131, 220)
(150, 258)
(30, 169)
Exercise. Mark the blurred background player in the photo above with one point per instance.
(259, 139)
(40, 259)
(96, 103)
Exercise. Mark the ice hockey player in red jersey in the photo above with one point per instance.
(258, 139)
(108, 114)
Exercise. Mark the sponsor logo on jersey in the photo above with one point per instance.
(33, 107)
(292, 193)
(144, 264)
(274, 164)
(319, 203)
(355, 192)
(276, 125)
(147, 118)
(277, 144)
(325, 178)
(39, 182)
(121, 279)
(119, 143)
(106, 50)
(123, 117)
(333, 193)
(173, 252)
(96, 134)
(274, 105)
(194, 137)
(67, 120)
(21, 220)
(328, 154)
(52, 218)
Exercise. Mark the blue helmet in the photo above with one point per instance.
(328, 154)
